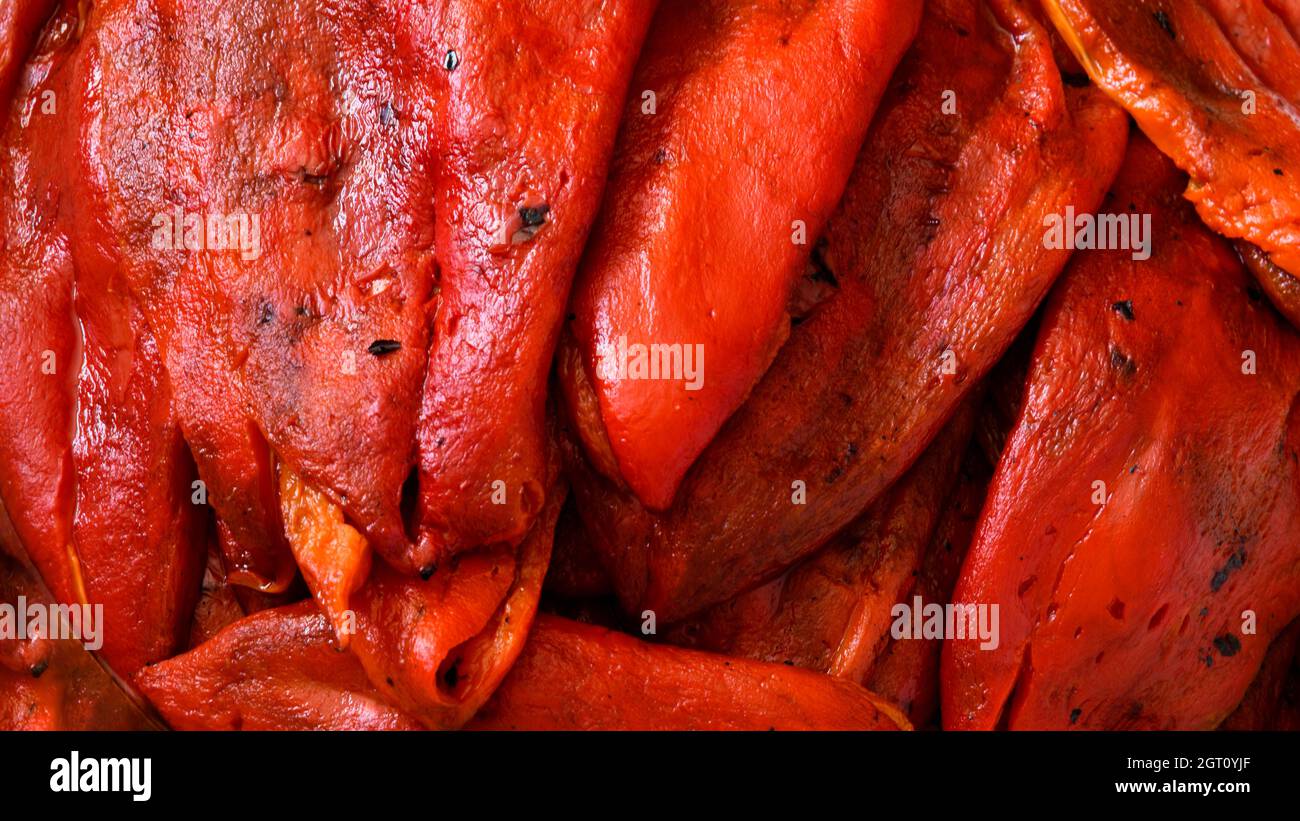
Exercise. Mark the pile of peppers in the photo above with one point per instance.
(650, 364)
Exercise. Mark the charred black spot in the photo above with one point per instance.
(1166, 24)
(267, 314)
(1277, 171)
(383, 347)
(1121, 362)
(1124, 308)
(389, 680)
(452, 61)
(1227, 645)
(39, 668)
(427, 571)
(1235, 562)
(1074, 714)
(533, 217)
(386, 115)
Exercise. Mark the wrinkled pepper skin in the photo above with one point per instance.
(524, 154)
(315, 119)
(1121, 604)
(1182, 69)
(54, 684)
(96, 472)
(274, 670)
(831, 612)
(937, 246)
(560, 683)
(759, 111)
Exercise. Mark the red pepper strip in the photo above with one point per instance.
(49, 683)
(38, 377)
(525, 146)
(139, 539)
(439, 648)
(98, 477)
(831, 612)
(333, 556)
(574, 676)
(1183, 71)
(907, 670)
(20, 23)
(938, 247)
(1261, 707)
(1121, 603)
(759, 109)
(274, 670)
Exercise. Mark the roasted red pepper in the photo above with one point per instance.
(562, 682)
(743, 125)
(832, 612)
(1215, 84)
(274, 670)
(907, 669)
(939, 255)
(523, 156)
(96, 473)
(1139, 536)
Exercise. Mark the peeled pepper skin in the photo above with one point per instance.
(759, 111)
(536, 135)
(562, 681)
(1130, 614)
(937, 245)
(333, 557)
(1182, 69)
(96, 473)
(273, 670)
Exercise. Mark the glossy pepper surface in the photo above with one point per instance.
(1139, 535)
(939, 255)
(742, 127)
